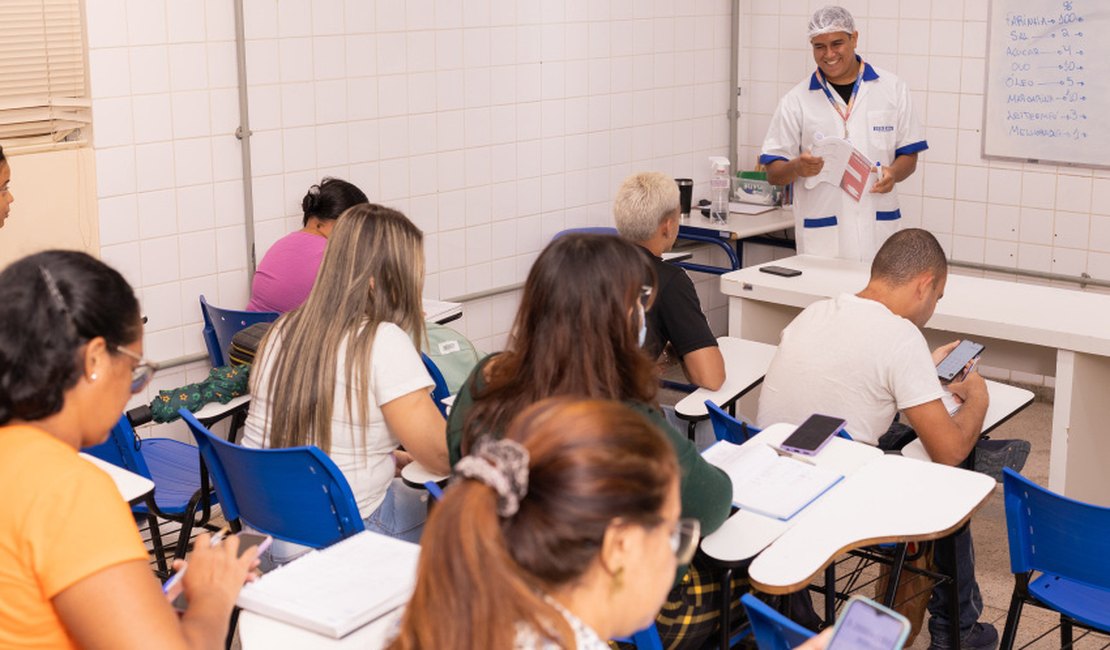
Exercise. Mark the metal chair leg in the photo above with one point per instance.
(1009, 633)
(726, 607)
(1066, 640)
(156, 543)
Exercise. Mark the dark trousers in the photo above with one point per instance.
(963, 557)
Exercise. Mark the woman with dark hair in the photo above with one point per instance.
(73, 569)
(288, 270)
(562, 535)
(579, 332)
(6, 198)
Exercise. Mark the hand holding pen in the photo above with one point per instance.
(885, 182)
(214, 569)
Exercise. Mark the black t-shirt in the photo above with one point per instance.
(675, 315)
(844, 90)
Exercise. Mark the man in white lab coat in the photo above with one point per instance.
(844, 98)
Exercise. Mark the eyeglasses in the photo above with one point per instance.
(684, 539)
(143, 372)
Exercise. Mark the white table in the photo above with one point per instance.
(746, 533)
(677, 256)
(131, 486)
(441, 311)
(416, 475)
(888, 499)
(738, 229)
(263, 632)
(1005, 402)
(1043, 330)
(746, 363)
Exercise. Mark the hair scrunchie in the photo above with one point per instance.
(503, 466)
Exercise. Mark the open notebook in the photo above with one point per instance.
(339, 589)
(767, 483)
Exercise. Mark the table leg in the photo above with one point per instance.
(1077, 457)
(830, 594)
(947, 545)
(896, 564)
(691, 429)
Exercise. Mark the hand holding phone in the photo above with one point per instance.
(958, 359)
(867, 625)
(174, 587)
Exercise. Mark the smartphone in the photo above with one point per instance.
(813, 434)
(781, 270)
(246, 540)
(867, 625)
(952, 364)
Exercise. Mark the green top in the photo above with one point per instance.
(706, 490)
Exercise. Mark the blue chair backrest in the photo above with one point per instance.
(440, 392)
(222, 324)
(587, 230)
(772, 630)
(728, 428)
(295, 494)
(120, 449)
(1051, 533)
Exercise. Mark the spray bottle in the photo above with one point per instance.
(720, 185)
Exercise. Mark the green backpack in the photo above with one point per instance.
(453, 354)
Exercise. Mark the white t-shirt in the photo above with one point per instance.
(395, 370)
(848, 357)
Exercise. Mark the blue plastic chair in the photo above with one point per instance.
(1067, 543)
(180, 483)
(728, 428)
(772, 630)
(222, 324)
(440, 391)
(296, 494)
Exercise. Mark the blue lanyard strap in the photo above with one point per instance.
(844, 115)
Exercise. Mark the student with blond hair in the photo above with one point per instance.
(343, 372)
(646, 212)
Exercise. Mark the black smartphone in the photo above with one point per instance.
(958, 358)
(813, 434)
(781, 270)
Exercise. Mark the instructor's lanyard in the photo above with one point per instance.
(844, 114)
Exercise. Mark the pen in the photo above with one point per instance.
(176, 578)
(782, 452)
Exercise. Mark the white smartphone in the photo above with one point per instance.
(867, 625)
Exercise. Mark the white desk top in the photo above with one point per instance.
(417, 475)
(890, 499)
(263, 632)
(439, 311)
(740, 226)
(745, 364)
(1053, 317)
(131, 486)
(1005, 400)
(746, 533)
(677, 256)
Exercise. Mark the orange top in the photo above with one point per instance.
(61, 520)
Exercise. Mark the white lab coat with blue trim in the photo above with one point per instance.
(882, 125)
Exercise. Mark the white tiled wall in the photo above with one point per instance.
(492, 123)
(1024, 215)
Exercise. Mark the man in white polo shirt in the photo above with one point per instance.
(862, 357)
(870, 107)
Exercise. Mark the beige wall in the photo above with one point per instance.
(55, 204)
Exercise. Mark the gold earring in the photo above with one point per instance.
(617, 581)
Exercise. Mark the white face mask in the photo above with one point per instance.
(643, 326)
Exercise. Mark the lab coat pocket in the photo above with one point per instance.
(820, 236)
(882, 135)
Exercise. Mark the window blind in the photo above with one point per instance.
(43, 93)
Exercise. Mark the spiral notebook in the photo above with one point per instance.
(768, 483)
(336, 590)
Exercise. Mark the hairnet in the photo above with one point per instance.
(827, 20)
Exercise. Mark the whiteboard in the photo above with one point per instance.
(1047, 83)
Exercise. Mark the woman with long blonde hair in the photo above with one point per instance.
(343, 372)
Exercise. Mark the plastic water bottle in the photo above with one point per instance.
(719, 186)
